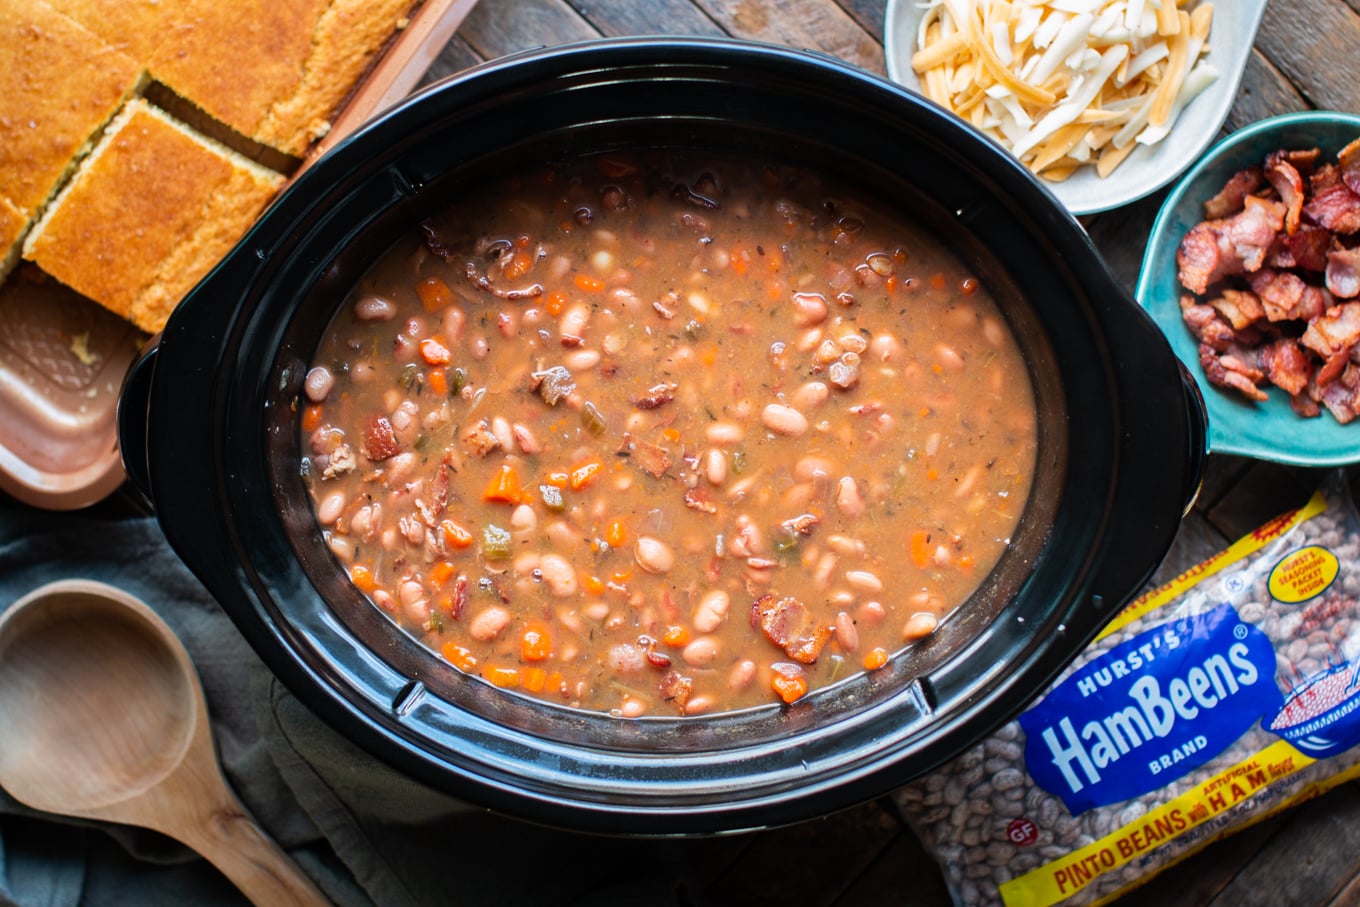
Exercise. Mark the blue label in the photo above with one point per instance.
(1151, 709)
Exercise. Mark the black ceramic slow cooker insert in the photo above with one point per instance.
(209, 429)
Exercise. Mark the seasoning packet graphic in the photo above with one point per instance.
(1209, 703)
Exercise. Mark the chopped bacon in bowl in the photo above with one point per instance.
(1272, 276)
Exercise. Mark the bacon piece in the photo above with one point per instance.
(1306, 248)
(697, 500)
(1335, 331)
(676, 687)
(1241, 308)
(1343, 272)
(458, 600)
(656, 395)
(552, 384)
(1215, 249)
(1342, 396)
(1334, 206)
(652, 458)
(801, 525)
(1206, 323)
(1231, 372)
(1281, 293)
(1304, 405)
(1231, 197)
(1286, 365)
(1348, 160)
(789, 624)
(478, 439)
(380, 441)
(1288, 185)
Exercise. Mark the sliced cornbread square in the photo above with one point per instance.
(135, 27)
(13, 222)
(59, 84)
(151, 210)
(306, 57)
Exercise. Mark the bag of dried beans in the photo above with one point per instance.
(1207, 704)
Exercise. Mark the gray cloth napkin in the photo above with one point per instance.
(365, 833)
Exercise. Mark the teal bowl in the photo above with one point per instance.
(1269, 430)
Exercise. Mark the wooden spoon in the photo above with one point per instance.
(104, 718)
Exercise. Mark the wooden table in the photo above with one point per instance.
(1307, 55)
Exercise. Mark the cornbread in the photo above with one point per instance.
(135, 27)
(152, 210)
(59, 84)
(12, 225)
(305, 57)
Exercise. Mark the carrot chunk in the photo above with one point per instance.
(617, 534)
(501, 677)
(535, 643)
(588, 284)
(311, 418)
(920, 547)
(439, 383)
(455, 535)
(440, 573)
(789, 685)
(363, 578)
(875, 658)
(459, 656)
(434, 294)
(585, 473)
(434, 351)
(504, 486)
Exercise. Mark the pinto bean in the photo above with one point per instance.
(559, 575)
(741, 675)
(489, 623)
(847, 634)
(375, 308)
(809, 309)
(784, 420)
(318, 383)
(920, 625)
(863, 581)
(711, 611)
(848, 499)
(715, 466)
(724, 434)
(572, 327)
(653, 555)
(701, 652)
(811, 395)
(330, 508)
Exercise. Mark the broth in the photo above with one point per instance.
(656, 434)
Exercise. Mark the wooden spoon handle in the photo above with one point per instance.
(232, 841)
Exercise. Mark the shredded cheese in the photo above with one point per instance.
(1066, 83)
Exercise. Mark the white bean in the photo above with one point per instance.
(711, 611)
(330, 508)
(811, 395)
(489, 623)
(919, 625)
(523, 518)
(848, 499)
(573, 324)
(581, 360)
(715, 466)
(808, 309)
(847, 634)
(318, 383)
(784, 420)
(558, 574)
(863, 581)
(742, 674)
(653, 555)
(701, 652)
(723, 433)
(375, 308)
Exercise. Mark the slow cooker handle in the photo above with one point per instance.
(1197, 417)
(134, 402)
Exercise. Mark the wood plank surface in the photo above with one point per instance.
(1306, 55)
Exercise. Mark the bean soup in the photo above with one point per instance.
(655, 434)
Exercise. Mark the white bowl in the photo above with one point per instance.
(1147, 169)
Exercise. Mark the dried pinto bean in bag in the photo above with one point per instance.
(1227, 694)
